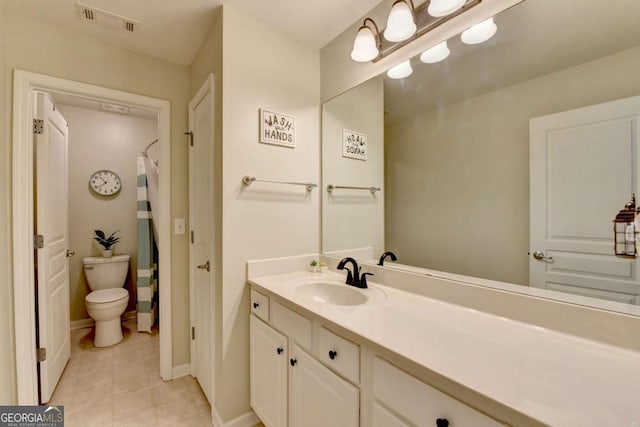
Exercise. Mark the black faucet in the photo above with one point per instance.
(354, 279)
(387, 254)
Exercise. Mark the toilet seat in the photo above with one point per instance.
(105, 296)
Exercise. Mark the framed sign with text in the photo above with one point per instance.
(354, 144)
(277, 128)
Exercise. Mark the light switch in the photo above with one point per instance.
(178, 226)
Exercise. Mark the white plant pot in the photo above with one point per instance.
(107, 253)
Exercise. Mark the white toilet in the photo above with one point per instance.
(108, 299)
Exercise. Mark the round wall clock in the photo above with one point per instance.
(105, 183)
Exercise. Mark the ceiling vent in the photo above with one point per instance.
(107, 19)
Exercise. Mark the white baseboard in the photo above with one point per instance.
(88, 323)
(248, 419)
(181, 371)
(82, 323)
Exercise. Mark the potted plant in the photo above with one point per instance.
(106, 242)
(312, 265)
(323, 267)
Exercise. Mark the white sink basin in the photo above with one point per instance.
(332, 293)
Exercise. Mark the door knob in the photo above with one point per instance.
(540, 256)
(70, 253)
(205, 266)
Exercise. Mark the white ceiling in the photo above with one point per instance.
(173, 30)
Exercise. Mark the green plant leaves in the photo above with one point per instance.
(106, 242)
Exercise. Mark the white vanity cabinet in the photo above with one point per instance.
(418, 404)
(317, 396)
(289, 387)
(305, 375)
(268, 364)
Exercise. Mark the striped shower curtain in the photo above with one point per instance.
(147, 256)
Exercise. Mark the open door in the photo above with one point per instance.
(52, 273)
(202, 248)
(584, 168)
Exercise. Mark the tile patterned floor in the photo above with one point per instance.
(120, 386)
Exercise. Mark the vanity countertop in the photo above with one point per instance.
(555, 378)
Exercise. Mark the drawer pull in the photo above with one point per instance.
(256, 305)
(442, 422)
(279, 350)
(293, 362)
(333, 355)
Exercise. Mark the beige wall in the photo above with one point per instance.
(458, 176)
(7, 361)
(353, 218)
(262, 68)
(101, 140)
(47, 49)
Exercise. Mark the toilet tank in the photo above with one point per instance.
(106, 273)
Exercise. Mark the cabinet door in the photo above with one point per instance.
(268, 364)
(317, 396)
(383, 418)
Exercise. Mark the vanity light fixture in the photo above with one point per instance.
(438, 53)
(366, 46)
(401, 70)
(444, 7)
(401, 23)
(405, 24)
(479, 33)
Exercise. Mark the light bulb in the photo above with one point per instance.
(400, 23)
(438, 53)
(439, 8)
(365, 46)
(480, 32)
(400, 71)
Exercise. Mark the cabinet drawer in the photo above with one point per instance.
(419, 403)
(260, 305)
(339, 354)
(292, 324)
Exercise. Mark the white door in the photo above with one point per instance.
(51, 260)
(202, 248)
(317, 396)
(268, 373)
(583, 169)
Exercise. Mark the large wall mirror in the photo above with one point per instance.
(525, 143)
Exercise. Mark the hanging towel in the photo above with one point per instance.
(147, 253)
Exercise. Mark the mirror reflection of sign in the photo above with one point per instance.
(277, 128)
(354, 144)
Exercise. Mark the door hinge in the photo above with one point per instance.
(38, 241)
(38, 126)
(193, 332)
(190, 137)
(42, 354)
(193, 240)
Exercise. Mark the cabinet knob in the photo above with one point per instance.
(332, 354)
(279, 350)
(442, 422)
(256, 305)
(293, 362)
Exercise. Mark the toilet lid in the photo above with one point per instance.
(107, 295)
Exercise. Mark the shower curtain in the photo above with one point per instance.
(147, 284)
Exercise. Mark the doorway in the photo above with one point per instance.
(26, 85)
